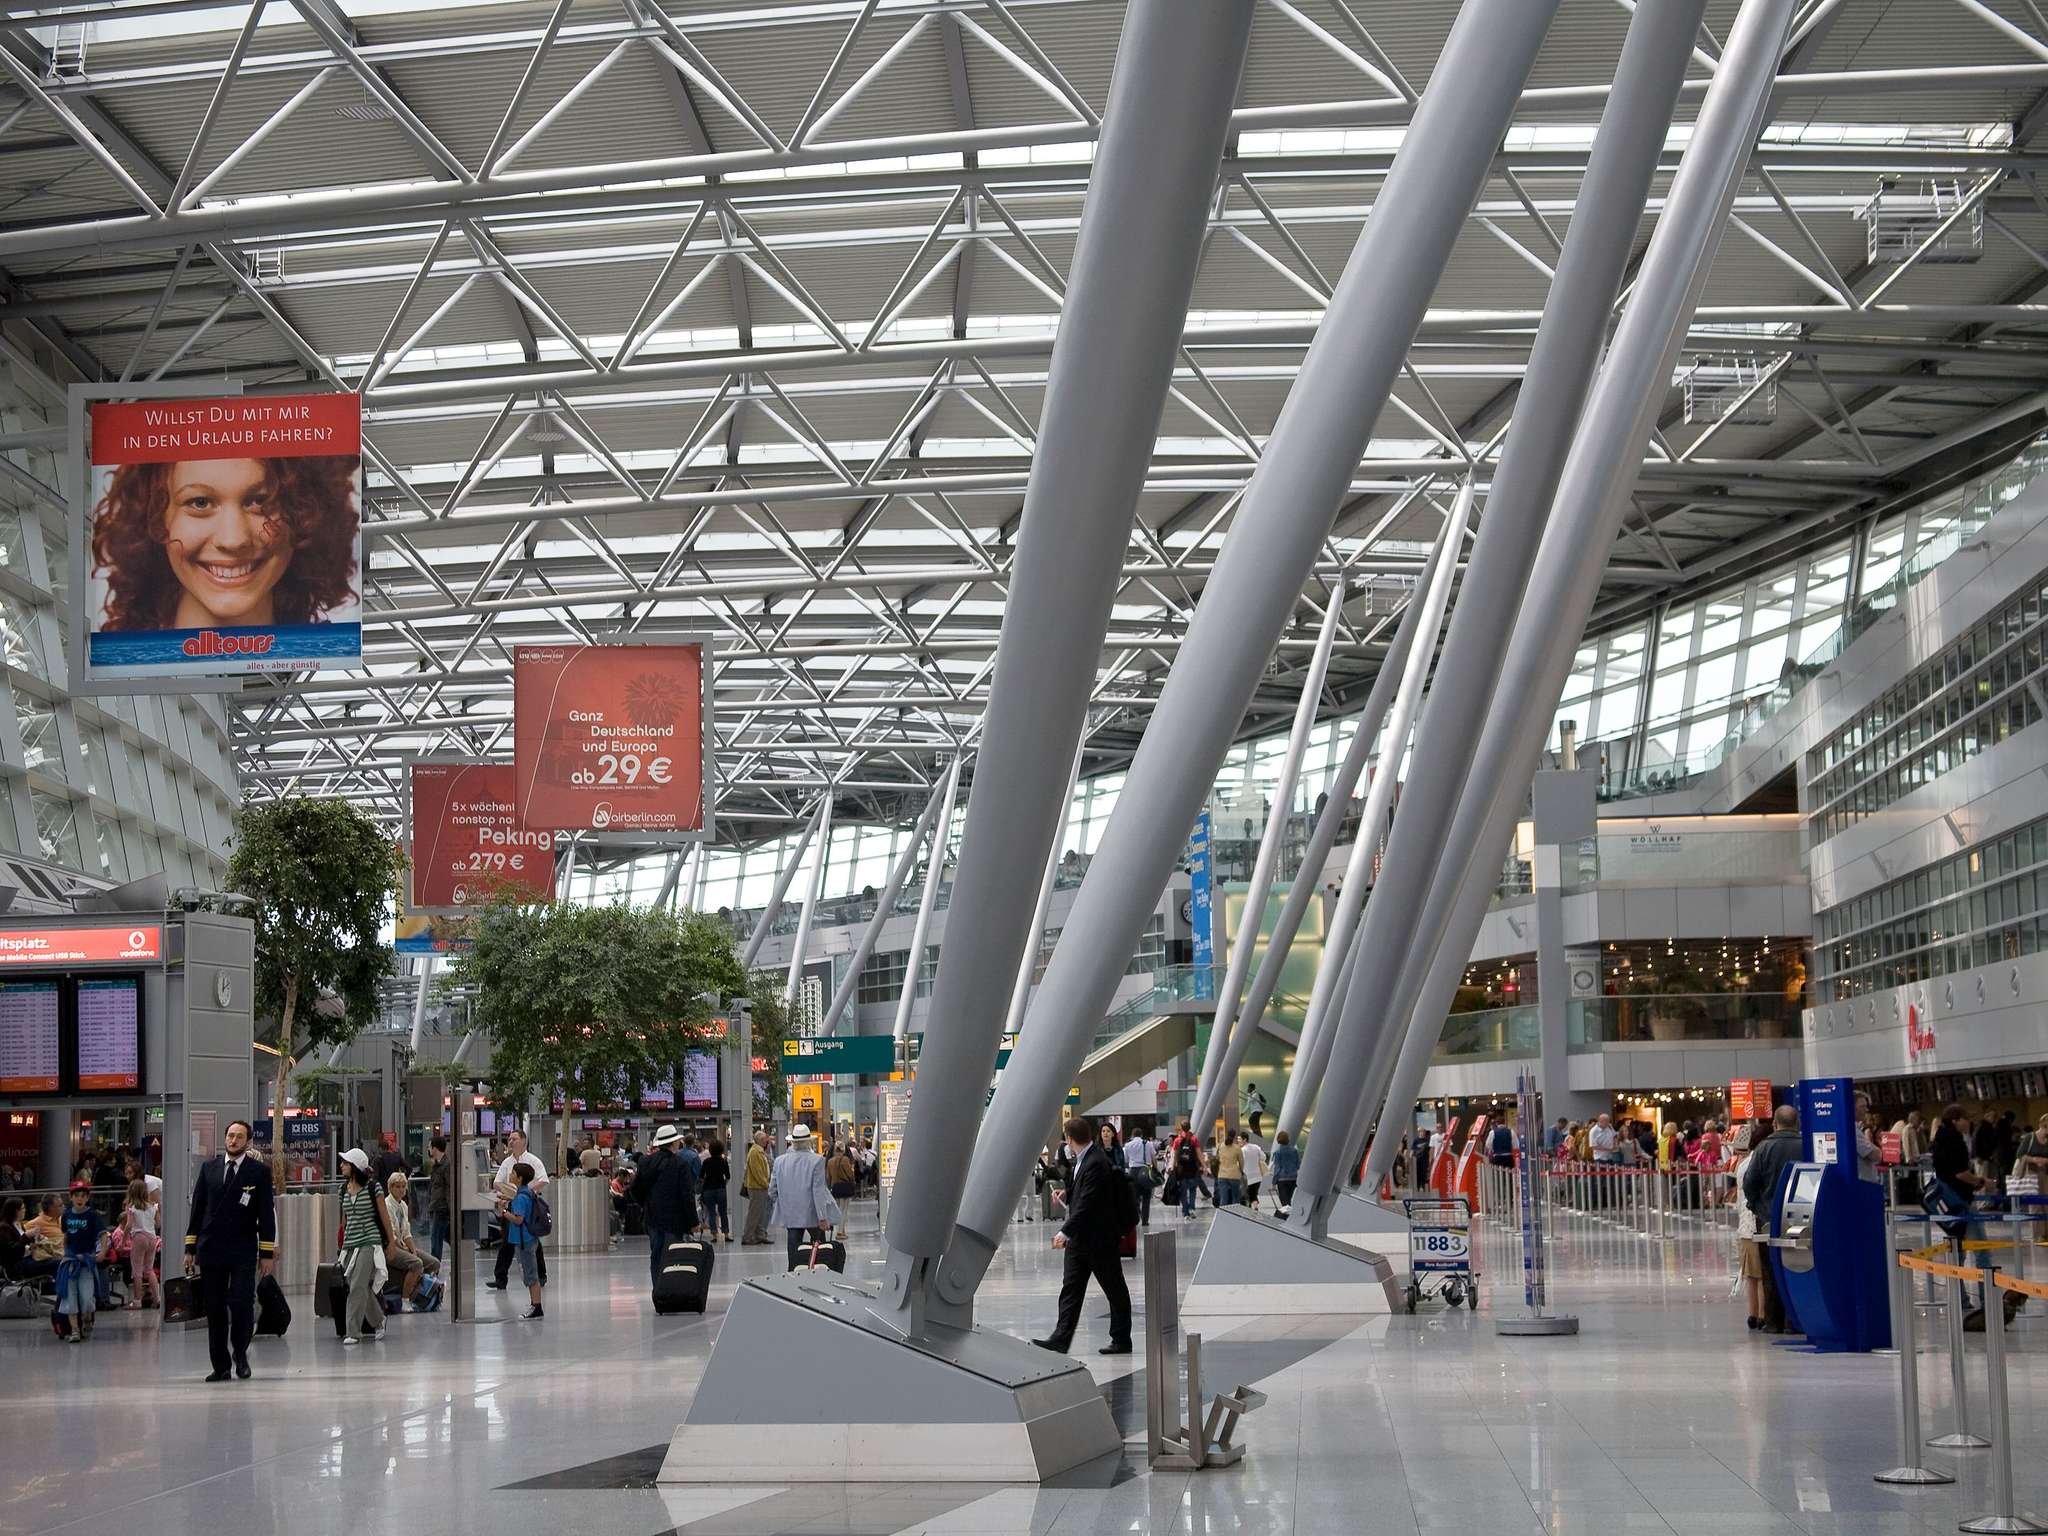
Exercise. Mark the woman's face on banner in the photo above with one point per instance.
(221, 539)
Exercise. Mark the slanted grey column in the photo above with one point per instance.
(1592, 497)
(669, 878)
(885, 907)
(935, 872)
(1318, 1032)
(1210, 1086)
(1020, 995)
(1281, 524)
(699, 871)
(810, 906)
(1561, 365)
(1308, 884)
(419, 1013)
(782, 878)
(1128, 285)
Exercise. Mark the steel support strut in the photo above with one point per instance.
(927, 899)
(1326, 1000)
(1211, 1088)
(1562, 362)
(1592, 498)
(1132, 274)
(885, 908)
(1561, 369)
(1280, 527)
(1309, 883)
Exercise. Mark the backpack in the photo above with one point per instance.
(1185, 1162)
(1503, 1141)
(540, 1221)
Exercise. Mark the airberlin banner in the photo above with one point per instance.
(467, 845)
(610, 738)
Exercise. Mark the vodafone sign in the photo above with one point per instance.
(79, 946)
(610, 738)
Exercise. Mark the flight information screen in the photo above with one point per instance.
(109, 1035)
(700, 1080)
(31, 1037)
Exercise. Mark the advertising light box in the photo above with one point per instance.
(224, 536)
(467, 844)
(610, 738)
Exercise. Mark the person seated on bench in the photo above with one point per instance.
(403, 1258)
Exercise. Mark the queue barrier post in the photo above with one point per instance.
(1909, 1471)
(2004, 1520)
(1960, 1438)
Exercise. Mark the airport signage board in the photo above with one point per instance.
(611, 738)
(80, 946)
(842, 1056)
(467, 844)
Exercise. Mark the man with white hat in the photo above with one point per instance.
(802, 1196)
(665, 1187)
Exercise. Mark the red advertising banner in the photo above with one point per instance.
(610, 737)
(223, 536)
(467, 843)
(79, 946)
(1749, 1098)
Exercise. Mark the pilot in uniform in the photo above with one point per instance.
(232, 1230)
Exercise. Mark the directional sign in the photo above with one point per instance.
(842, 1056)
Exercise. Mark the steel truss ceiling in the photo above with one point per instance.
(711, 316)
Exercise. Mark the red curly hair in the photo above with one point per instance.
(317, 520)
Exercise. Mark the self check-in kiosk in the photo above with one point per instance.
(1827, 1229)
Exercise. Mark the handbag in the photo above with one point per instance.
(181, 1301)
(1947, 1205)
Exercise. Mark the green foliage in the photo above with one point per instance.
(323, 875)
(593, 1002)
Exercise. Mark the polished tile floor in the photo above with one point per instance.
(1664, 1415)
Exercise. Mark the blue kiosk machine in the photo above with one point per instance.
(1827, 1228)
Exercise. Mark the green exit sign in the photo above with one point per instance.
(842, 1056)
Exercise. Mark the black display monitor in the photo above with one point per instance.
(31, 1037)
(109, 1013)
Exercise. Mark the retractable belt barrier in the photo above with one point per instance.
(2004, 1519)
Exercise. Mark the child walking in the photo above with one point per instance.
(138, 1220)
(78, 1278)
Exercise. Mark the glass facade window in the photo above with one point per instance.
(1984, 904)
(1977, 692)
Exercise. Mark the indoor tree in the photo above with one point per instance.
(322, 874)
(593, 1002)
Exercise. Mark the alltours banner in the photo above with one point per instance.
(224, 536)
(467, 844)
(610, 737)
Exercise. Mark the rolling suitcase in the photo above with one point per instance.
(831, 1254)
(273, 1312)
(684, 1280)
(330, 1296)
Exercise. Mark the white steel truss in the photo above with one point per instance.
(701, 315)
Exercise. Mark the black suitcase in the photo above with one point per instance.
(273, 1312)
(830, 1254)
(330, 1296)
(684, 1281)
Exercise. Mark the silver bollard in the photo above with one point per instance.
(1959, 1439)
(1910, 1471)
(2004, 1521)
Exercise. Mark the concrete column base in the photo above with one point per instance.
(1254, 1265)
(962, 1405)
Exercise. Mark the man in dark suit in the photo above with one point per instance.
(231, 1235)
(1099, 1204)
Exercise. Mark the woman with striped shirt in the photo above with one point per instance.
(364, 1237)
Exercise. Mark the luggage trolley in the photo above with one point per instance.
(1440, 1250)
